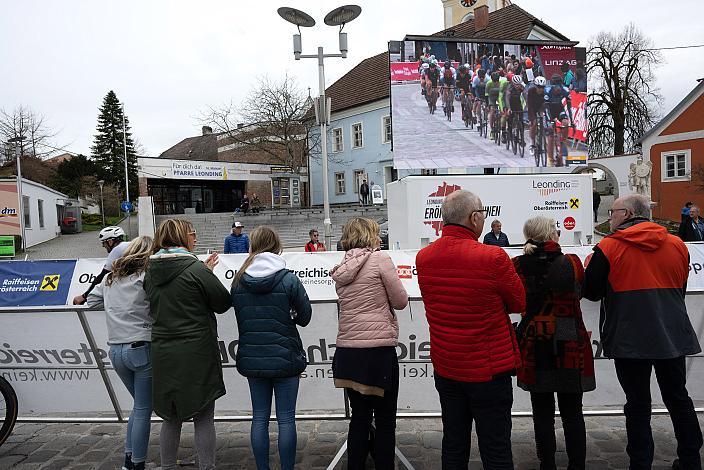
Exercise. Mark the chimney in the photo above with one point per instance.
(481, 18)
(207, 130)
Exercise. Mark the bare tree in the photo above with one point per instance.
(623, 102)
(275, 119)
(24, 122)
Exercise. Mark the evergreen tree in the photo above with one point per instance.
(108, 149)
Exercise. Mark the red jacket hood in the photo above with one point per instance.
(646, 236)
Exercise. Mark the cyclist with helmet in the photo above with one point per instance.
(535, 99)
(494, 92)
(514, 99)
(423, 69)
(464, 83)
(432, 77)
(113, 240)
(555, 94)
(447, 80)
(479, 85)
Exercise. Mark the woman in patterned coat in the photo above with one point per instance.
(555, 347)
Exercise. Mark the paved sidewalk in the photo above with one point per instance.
(100, 446)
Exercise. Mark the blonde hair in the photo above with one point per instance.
(133, 261)
(537, 229)
(172, 233)
(359, 232)
(262, 239)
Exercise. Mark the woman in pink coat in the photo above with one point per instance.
(365, 361)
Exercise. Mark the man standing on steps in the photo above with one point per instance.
(364, 192)
(236, 242)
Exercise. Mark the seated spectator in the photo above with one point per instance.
(255, 204)
(314, 244)
(496, 237)
(236, 242)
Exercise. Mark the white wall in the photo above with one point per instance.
(35, 233)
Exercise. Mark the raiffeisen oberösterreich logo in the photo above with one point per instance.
(548, 187)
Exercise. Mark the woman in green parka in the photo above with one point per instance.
(187, 373)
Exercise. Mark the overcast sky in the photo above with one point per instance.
(169, 59)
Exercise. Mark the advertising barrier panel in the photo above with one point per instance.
(47, 357)
(9, 209)
(31, 283)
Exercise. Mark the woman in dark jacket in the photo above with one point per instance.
(269, 302)
(187, 374)
(555, 348)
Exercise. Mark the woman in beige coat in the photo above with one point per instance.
(365, 361)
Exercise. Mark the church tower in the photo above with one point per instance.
(459, 11)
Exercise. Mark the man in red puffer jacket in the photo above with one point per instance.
(469, 289)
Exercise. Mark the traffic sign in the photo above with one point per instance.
(126, 206)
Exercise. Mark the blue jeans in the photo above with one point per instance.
(286, 391)
(134, 367)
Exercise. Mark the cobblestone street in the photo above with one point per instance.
(99, 446)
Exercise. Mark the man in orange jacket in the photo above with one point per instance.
(640, 274)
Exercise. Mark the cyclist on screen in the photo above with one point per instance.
(535, 100)
(557, 96)
(494, 92)
(479, 85)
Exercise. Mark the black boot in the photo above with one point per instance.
(128, 463)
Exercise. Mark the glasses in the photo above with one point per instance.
(484, 212)
(315, 235)
(611, 211)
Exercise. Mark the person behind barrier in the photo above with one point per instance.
(113, 240)
(365, 361)
(692, 226)
(187, 373)
(314, 244)
(469, 289)
(496, 236)
(556, 351)
(129, 323)
(639, 272)
(236, 242)
(270, 301)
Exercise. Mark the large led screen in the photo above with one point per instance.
(459, 105)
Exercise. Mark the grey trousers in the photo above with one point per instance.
(170, 438)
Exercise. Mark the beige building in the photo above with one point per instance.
(455, 11)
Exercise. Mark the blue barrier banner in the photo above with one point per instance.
(35, 283)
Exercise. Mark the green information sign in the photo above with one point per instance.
(7, 246)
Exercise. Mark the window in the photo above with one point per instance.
(337, 140)
(26, 209)
(386, 129)
(40, 210)
(358, 177)
(340, 183)
(429, 171)
(676, 165)
(357, 140)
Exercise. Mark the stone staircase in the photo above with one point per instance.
(292, 225)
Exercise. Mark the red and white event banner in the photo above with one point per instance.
(47, 358)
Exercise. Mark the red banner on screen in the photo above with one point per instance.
(552, 57)
(579, 115)
(402, 71)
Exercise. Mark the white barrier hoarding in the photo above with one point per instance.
(415, 216)
(47, 358)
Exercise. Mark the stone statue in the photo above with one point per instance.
(639, 176)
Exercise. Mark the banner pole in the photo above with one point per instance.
(99, 362)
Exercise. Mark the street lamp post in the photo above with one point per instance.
(102, 207)
(127, 178)
(338, 17)
(17, 140)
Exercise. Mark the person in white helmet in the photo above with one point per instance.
(113, 240)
